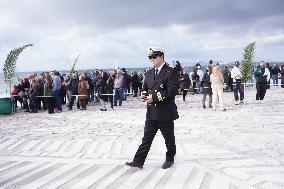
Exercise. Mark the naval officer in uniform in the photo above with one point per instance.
(160, 88)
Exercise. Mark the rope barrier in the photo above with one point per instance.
(234, 84)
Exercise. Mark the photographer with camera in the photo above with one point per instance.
(237, 83)
(160, 87)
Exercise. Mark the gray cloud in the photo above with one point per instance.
(118, 32)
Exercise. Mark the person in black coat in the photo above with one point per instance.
(282, 76)
(262, 76)
(161, 86)
(73, 85)
(195, 79)
(207, 90)
(101, 86)
(109, 90)
(184, 83)
(135, 81)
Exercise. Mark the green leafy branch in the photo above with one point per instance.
(10, 63)
(74, 64)
(247, 62)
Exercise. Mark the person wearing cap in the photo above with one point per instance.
(236, 75)
(262, 76)
(159, 90)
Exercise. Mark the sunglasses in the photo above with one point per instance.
(153, 57)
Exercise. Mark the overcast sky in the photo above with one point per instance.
(109, 33)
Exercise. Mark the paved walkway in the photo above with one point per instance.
(238, 149)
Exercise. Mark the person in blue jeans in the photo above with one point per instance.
(57, 90)
(118, 95)
(118, 88)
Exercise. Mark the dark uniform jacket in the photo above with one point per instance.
(163, 88)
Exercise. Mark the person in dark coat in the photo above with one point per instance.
(262, 76)
(195, 79)
(101, 88)
(135, 81)
(227, 76)
(91, 88)
(177, 66)
(73, 86)
(49, 98)
(161, 85)
(32, 96)
(274, 74)
(109, 90)
(184, 83)
(282, 76)
(207, 90)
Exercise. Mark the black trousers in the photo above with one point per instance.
(50, 104)
(184, 92)
(238, 88)
(72, 99)
(260, 90)
(150, 130)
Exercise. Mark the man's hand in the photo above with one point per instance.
(149, 99)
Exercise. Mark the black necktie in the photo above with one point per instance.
(156, 73)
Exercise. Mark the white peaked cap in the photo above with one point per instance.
(155, 49)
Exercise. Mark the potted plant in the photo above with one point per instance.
(6, 100)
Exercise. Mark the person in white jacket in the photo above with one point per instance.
(217, 82)
(238, 87)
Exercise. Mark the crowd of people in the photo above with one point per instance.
(52, 90)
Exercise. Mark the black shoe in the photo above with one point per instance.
(69, 108)
(134, 164)
(204, 106)
(103, 109)
(210, 106)
(167, 164)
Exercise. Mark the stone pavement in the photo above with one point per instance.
(241, 148)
